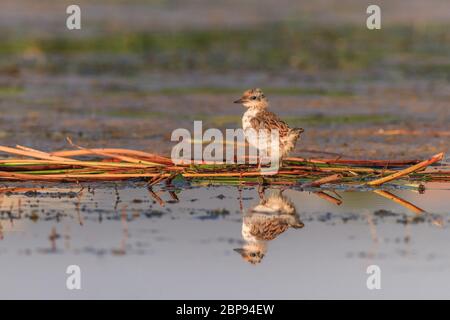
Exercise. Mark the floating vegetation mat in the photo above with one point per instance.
(106, 164)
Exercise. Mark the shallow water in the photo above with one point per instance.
(130, 244)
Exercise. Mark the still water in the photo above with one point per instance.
(222, 242)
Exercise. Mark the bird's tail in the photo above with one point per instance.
(298, 224)
(291, 139)
(298, 131)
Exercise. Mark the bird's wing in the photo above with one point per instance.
(268, 229)
(266, 120)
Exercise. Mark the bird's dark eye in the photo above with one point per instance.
(253, 254)
(253, 98)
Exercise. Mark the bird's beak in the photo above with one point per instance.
(241, 100)
(299, 225)
(239, 250)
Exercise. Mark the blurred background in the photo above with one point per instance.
(139, 69)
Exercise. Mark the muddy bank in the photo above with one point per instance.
(363, 120)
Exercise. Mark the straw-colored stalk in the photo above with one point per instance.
(401, 173)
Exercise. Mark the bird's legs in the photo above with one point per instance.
(261, 190)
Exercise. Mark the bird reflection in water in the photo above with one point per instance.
(264, 222)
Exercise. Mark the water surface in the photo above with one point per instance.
(132, 244)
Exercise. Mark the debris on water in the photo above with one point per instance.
(154, 214)
(33, 193)
(385, 213)
(118, 252)
(325, 217)
(53, 237)
(421, 188)
(34, 216)
(214, 214)
(350, 217)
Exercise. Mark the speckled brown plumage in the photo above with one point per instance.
(269, 228)
(269, 120)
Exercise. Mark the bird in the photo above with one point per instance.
(264, 222)
(260, 121)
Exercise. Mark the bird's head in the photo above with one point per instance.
(252, 253)
(253, 98)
